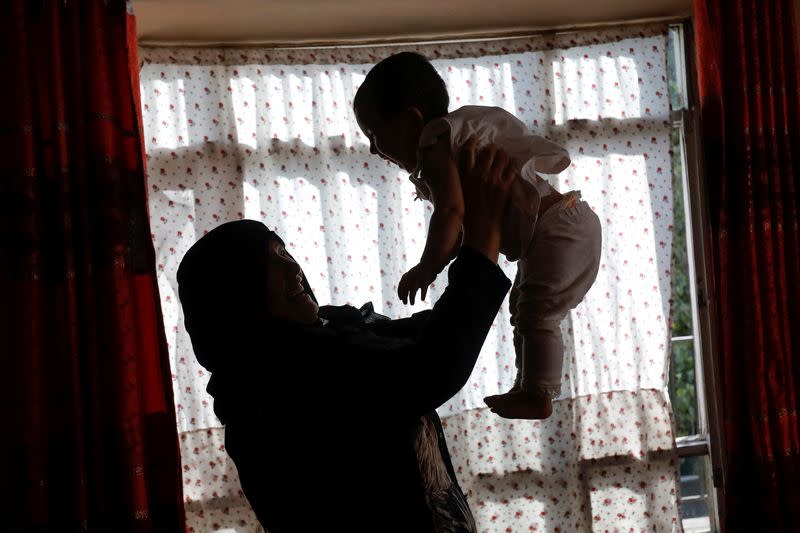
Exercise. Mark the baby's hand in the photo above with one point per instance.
(419, 277)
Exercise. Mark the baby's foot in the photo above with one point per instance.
(520, 404)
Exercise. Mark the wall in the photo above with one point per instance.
(309, 21)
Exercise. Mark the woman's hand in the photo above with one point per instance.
(485, 183)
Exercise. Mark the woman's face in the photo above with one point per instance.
(286, 296)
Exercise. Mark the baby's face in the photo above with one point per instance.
(394, 139)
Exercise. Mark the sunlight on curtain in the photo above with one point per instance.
(270, 135)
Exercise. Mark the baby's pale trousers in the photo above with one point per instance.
(553, 276)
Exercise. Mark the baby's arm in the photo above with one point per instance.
(441, 174)
(441, 177)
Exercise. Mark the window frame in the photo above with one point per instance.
(708, 442)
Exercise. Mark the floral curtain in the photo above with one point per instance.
(270, 135)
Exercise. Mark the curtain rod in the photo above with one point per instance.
(443, 38)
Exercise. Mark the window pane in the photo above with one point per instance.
(681, 290)
(677, 97)
(682, 388)
(694, 495)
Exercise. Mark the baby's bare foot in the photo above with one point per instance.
(521, 405)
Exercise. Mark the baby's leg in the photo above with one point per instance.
(539, 351)
(557, 272)
(512, 397)
(513, 299)
(513, 304)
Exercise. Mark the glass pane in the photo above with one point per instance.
(681, 291)
(675, 67)
(682, 388)
(694, 495)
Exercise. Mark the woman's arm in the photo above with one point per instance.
(415, 375)
(405, 328)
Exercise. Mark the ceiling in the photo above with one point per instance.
(297, 22)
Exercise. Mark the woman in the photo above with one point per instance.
(329, 412)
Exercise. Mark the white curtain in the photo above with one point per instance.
(270, 135)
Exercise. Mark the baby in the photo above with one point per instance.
(555, 238)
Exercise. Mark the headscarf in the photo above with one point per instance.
(222, 285)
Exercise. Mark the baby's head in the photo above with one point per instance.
(398, 97)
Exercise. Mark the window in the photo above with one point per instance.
(268, 135)
(687, 388)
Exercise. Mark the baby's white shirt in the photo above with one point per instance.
(533, 152)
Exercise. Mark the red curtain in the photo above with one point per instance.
(748, 78)
(87, 424)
